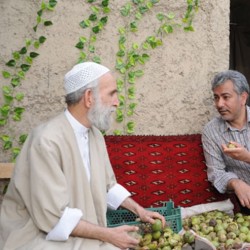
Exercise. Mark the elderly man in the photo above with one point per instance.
(63, 180)
(226, 139)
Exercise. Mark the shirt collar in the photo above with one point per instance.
(228, 127)
(78, 128)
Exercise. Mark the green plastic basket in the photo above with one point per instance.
(124, 217)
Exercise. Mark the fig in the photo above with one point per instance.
(157, 225)
(231, 145)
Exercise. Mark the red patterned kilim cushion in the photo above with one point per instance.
(158, 168)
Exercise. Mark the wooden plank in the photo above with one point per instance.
(6, 170)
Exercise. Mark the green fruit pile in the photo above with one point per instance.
(225, 232)
(155, 237)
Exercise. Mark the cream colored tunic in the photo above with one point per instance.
(49, 176)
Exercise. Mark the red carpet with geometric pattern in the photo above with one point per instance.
(158, 168)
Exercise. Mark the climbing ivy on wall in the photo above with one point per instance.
(131, 57)
(16, 68)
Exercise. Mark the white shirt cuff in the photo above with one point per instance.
(66, 224)
(116, 195)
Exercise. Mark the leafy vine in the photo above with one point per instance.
(131, 57)
(17, 67)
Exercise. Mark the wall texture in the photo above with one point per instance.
(173, 96)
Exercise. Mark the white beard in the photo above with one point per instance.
(100, 115)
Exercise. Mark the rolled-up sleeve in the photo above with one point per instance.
(116, 195)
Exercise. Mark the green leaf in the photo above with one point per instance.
(82, 55)
(104, 20)
(145, 57)
(143, 9)
(84, 24)
(96, 59)
(117, 132)
(43, 5)
(23, 51)
(38, 20)
(125, 10)
(95, 9)
(79, 45)
(93, 17)
(91, 49)
(139, 73)
(119, 115)
(171, 16)
(5, 109)
(122, 30)
(11, 63)
(15, 152)
(130, 127)
(25, 67)
(42, 39)
(40, 12)
(189, 28)
(47, 23)
(121, 99)
(96, 29)
(15, 81)
(132, 105)
(28, 42)
(28, 59)
(8, 99)
(6, 74)
(120, 85)
(7, 145)
(83, 39)
(16, 55)
(145, 45)
(3, 122)
(34, 54)
(138, 16)
(52, 3)
(7, 90)
(168, 29)
(21, 74)
(93, 38)
(133, 26)
(35, 28)
(19, 96)
(120, 53)
(105, 3)
(22, 138)
(5, 138)
(106, 10)
(122, 39)
(160, 16)
(36, 44)
(135, 46)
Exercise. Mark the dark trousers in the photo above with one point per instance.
(243, 210)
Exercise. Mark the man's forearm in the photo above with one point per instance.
(131, 205)
(88, 230)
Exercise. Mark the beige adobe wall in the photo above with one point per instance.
(174, 95)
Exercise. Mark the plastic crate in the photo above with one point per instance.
(124, 217)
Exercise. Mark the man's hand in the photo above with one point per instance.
(150, 216)
(144, 214)
(238, 152)
(120, 237)
(242, 190)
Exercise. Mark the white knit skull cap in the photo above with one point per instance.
(82, 74)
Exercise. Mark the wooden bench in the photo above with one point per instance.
(6, 170)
